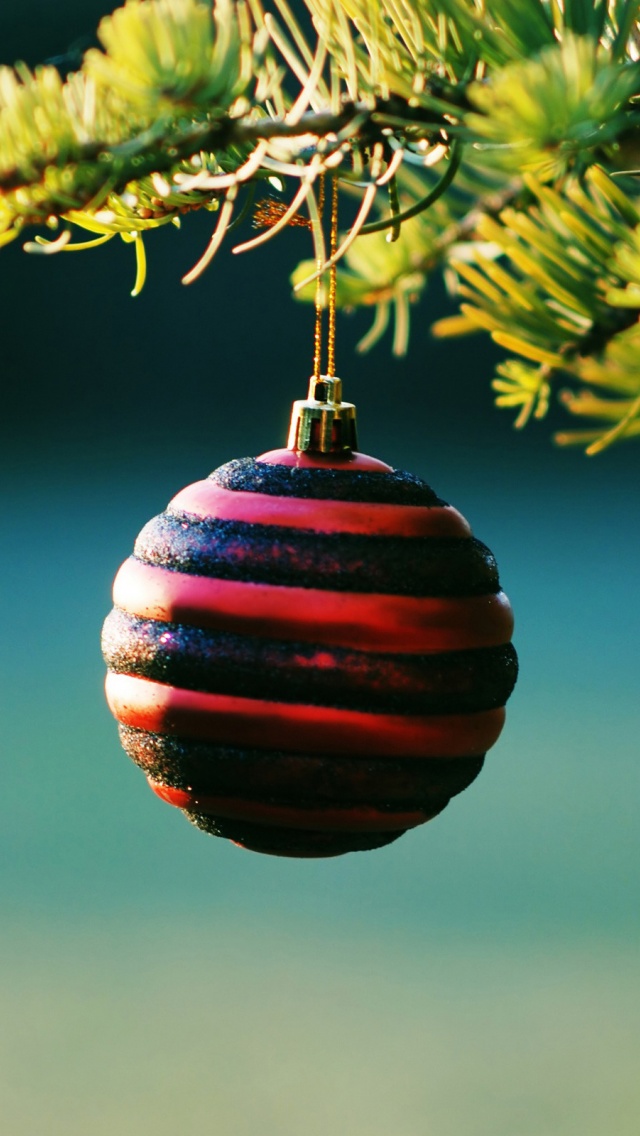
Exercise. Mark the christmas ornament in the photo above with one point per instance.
(309, 652)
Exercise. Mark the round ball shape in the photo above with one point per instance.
(309, 654)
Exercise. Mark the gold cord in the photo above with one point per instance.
(322, 423)
(333, 280)
(317, 337)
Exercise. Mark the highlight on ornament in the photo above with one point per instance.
(309, 652)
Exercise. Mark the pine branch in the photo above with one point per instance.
(483, 138)
(569, 301)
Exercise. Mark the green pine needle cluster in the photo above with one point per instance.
(495, 141)
(549, 114)
(174, 55)
(170, 71)
(560, 287)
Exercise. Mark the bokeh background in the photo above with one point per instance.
(479, 977)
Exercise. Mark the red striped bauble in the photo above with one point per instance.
(309, 653)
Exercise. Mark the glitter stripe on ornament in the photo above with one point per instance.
(273, 554)
(299, 778)
(407, 624)
(317, 729)
(292, 671)
(361, 819)
(208, 501)
(317, 478)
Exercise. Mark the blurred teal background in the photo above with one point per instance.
(479, 977)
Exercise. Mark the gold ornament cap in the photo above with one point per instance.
(322, 422)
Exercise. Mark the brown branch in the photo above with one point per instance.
(153, 151)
